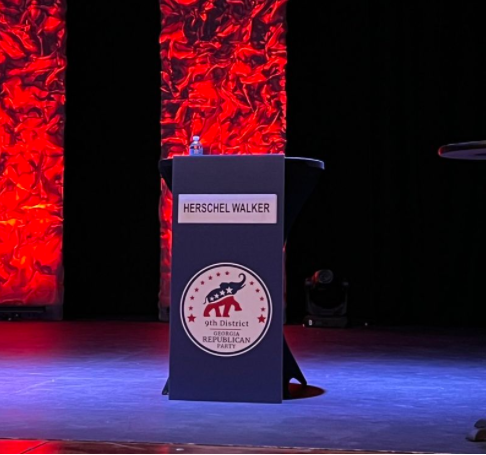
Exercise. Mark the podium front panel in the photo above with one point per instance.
(227, 279)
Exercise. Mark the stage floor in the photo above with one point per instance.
(384, 389)
(19, 446)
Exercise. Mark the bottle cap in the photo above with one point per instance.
(195, 138)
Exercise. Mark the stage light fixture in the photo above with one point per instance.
(326, 300)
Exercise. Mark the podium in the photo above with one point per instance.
(231, 217)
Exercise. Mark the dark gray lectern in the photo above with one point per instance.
(231, 215)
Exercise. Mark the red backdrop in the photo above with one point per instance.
(223, 77)
(32, 64)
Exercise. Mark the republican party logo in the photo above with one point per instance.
(226, 309)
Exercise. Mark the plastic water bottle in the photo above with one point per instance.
(195, 149)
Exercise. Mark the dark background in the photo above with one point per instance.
(374, 88)
(112, 184)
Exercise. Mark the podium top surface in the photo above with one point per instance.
(474, 151)
(165, 165)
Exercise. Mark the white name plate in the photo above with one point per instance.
(228, 208)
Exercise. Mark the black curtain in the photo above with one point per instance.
(112, 186)
(375, 88)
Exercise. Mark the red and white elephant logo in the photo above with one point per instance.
(226, 309)
(223, 299)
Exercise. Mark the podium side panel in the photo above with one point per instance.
(212, 358)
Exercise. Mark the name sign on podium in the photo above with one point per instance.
(226, 340)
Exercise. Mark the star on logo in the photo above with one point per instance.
(218, 274)
(210, 277)
(202, 283)
(226, 273)
(258, 290)
(229, 290)
(263, 309)
(251, 283)
(192, 297)
(261, 319)
(222, 293)
(191, 318)
(190, 308)
(262, 299)
(196, 290)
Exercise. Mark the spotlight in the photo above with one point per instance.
(326, 300)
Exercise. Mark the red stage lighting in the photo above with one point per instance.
(223, 78)
(32, 64)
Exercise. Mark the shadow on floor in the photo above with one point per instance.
(299, 391)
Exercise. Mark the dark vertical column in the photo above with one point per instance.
(112, 150)
(328, 87)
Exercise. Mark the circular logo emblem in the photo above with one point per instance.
(226, 309)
